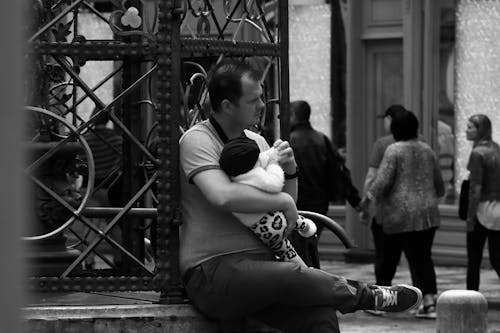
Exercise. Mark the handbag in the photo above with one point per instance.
(463, 200)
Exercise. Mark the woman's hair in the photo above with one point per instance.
(483, 125)
(404, 126)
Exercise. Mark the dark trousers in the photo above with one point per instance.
(417, 247)
(281, 294)
(378, 241)
(306, 248)
(475, 246)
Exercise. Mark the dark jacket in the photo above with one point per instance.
(323, 176)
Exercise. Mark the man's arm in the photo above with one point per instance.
(234, 197)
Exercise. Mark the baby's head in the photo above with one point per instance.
(239, 156)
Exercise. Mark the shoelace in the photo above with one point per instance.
(389, 297)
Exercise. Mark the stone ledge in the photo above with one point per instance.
(149, 318)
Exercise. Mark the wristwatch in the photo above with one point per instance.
(292, 175)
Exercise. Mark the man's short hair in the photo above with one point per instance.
(404, 126)
(301, 110)
(224, 81)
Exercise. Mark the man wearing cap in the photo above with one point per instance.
(228, 273)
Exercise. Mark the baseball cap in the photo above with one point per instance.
(392, 111)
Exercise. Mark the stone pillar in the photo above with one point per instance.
(462, 311)
(477, 73)
(309, 54)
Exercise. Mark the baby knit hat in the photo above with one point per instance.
(239, 156)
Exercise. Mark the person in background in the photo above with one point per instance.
(407, 188)
(381, 277)
(323, 178)
(483, 215)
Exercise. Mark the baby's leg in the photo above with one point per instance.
(271, 231)
(291, 254)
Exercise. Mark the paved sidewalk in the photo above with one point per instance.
(448, 278)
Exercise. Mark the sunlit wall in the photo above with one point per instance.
(309, 31)
(477, 71)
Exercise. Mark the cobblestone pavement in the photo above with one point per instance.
(361, 322)
(448, 278)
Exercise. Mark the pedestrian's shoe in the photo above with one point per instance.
(427, 312)
(397, 298)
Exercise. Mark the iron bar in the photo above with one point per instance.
(132, 138)
(220, 32)
(57, 18)
(229, 18)
(102, 234)
(99, 14)
(98, 85)
(102, 283)
(264, 20)
(284, 77)
(227, 47)
(96, 49)
(113, 211)
(110, 225)
(101, 104)
(97, 253)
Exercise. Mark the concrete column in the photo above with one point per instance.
(462, 311)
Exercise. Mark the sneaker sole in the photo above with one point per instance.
(375, 313)
(426, 316)
(419, 296)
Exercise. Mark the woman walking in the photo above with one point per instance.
(483, 216)
(406, 190)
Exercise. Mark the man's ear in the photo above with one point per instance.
(226, 107)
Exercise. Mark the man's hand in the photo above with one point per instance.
(286, 159)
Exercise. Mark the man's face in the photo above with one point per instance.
(250, 105)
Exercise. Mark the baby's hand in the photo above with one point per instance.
(286, 159)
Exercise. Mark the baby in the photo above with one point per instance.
(242, 160)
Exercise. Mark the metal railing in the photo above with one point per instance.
(157, 55)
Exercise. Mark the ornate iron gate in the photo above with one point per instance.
(157, 55)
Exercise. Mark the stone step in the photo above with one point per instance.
(144, 318)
